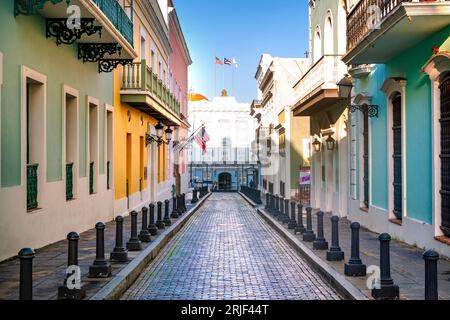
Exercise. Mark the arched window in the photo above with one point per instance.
(445, 153)
(397, 153)
(317, 53)
(328, 38)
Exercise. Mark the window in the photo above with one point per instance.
(366, 158)
(445, 154)
(271, 187)
(282, 143)
(397, 154)
(282, 188)
(152, 60)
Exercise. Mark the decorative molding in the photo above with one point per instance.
(94, 52)
(108, 65)
(57, 27)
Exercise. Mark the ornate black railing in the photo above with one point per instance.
(253, 194)
(91, 177)
(69, 181)
(32, 186)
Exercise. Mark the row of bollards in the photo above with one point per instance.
(385, 288)
(252, 193)
(72, 287)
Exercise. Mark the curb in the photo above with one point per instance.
(338, 281)
(128, 275)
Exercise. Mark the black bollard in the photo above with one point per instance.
(292, 223)
(183, 202)
(271, 204)
(100, 268)
(152, 228)
(26, 256)
(387, 290)
(120, 253)
(335, 253)
(167, 221)
(431, 275)
(174, 214)
(300, 228)
(277, 206)
(144, 235)
(160, 223)
(267, 201)
(286, 217)
(134, 244)
(194, 196)
(179, 205)
(320, 243)
(280, 216)
(309, 235)
(355, 267)
(74, 289)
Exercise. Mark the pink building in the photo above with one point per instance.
(179, 61)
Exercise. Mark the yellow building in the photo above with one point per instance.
(143, 100)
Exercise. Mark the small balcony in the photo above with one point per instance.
(317, 88)
(104, 33)
(142, 89)
(374, 25)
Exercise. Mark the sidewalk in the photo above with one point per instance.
(407, 265)
(50, 262)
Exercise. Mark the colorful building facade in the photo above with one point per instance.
(399, 123)
(56, 116)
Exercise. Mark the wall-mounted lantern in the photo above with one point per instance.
(317, 145)
(330, 143)
(159, 128)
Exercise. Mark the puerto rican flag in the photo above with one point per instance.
(227, 62)
(202, 138)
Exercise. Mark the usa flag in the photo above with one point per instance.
(202, 138)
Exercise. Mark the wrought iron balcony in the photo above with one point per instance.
(32, 186)
(139, 79)
(379, 16)
(319, 82)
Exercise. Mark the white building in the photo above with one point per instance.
(283, 139)
(229, 161)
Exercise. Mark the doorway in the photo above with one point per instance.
(225, 181)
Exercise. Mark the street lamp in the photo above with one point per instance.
(330, 143)
(345, 87)
(159, 128)
(316, 145)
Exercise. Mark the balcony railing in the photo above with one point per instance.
(117, 15)
(366, 15)
(325, 73)
(32, 186)
(69, 181)
(139, 76)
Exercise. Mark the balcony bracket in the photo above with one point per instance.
(108, 65)
(371, 110)
(94, 52)
(64, 35)
(29, 7)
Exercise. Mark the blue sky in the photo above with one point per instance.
(243, 29)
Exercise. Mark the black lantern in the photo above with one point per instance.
(345, 87)
(159, 130)
(330, 143)
(316, 145)
(169, 134)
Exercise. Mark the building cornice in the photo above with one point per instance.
(173, 16)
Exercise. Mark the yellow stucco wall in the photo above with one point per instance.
(137, 131)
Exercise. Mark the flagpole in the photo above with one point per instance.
(215, 78)
(232, 80)
(223, 75)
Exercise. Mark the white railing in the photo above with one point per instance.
(324, 74)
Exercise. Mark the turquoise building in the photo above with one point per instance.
(56, 114)
(399, 124)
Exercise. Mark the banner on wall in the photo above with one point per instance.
(304, 177)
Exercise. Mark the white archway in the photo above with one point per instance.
(328, 36)
(317, 45)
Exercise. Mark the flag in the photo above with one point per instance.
(235, 62)
(227, 62)
(202, 138)
(218, 61)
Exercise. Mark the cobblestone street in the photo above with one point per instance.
(226, 251)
